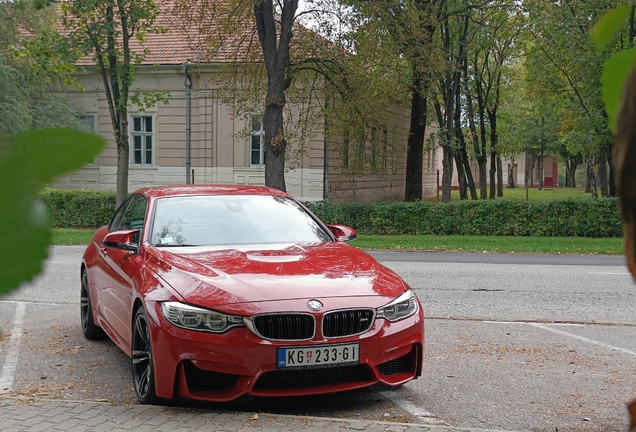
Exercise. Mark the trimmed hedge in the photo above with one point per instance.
(78, 208)
(557, 218)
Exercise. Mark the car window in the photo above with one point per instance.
(116, 220)
(233, 219)
(130, 215)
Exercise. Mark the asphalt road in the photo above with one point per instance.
(519, 342)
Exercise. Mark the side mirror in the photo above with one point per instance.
(124, 240)
(342, 233)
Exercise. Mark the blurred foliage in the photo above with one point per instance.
(28, 162)
(617, 67)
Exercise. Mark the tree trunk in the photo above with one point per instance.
(275, 49)
(532, 161)
(123, 161)
(483, 177)
(275, 145)
(482, 158)
(461, 175)
(459, 159)
(603, 178)
(447, 174)
(446, 122)
(492, 117)
(493, 172)
(570, 172)
(469, 175)
(588, 175)
(591, 167)
(450, 89)
(479, 141)
(466, 163)
(415, 146)
(511, 172)
(540, 170)
(499, 177)
(491, 110)
(417, 127)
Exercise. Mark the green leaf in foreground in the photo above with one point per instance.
(615, 72)
(608, 25)
(37, 158)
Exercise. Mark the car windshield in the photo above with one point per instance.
(232, 219)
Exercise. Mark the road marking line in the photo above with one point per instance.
(505, 322)
(11, 360)
(562, 324)
(36, 303)
(584, 339)
(420, 414)
(608, 273)
(526, 322)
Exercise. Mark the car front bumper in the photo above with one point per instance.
(221, 368)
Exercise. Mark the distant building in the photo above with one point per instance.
(519, 166)
(224, 148)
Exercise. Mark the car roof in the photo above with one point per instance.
(207, 189)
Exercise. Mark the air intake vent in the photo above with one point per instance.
(312, 378)
(203, 380)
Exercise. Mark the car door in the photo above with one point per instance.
(121, 268)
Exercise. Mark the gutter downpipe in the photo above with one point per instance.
(188, 85)
(325, 172)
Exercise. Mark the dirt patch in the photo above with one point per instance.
(494, 348)
(52, 391)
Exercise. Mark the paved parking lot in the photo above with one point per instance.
(520, 372)
(70, 416)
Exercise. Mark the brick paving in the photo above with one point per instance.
(70, 416)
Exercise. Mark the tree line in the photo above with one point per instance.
(494, 79)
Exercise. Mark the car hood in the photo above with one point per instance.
(217, 276)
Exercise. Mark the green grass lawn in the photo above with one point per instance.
(67, 237)
(557, 245)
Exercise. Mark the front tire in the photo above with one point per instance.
(91, 330)
(141, 360)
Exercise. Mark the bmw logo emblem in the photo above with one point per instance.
(314, 305)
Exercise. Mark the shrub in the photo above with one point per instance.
(78, 208)
(557, 218)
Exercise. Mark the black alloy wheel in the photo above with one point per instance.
(141, 360)
(91, 330)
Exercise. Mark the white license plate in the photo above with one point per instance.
(318, 356)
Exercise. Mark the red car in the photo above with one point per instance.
(218, 292)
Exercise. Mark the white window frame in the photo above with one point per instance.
(253, 133)
(143, 133)
(91, 128)
(346, 144)
(379, 148)
(431, 160)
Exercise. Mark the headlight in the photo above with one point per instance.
(402, 307)
(194, 318)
